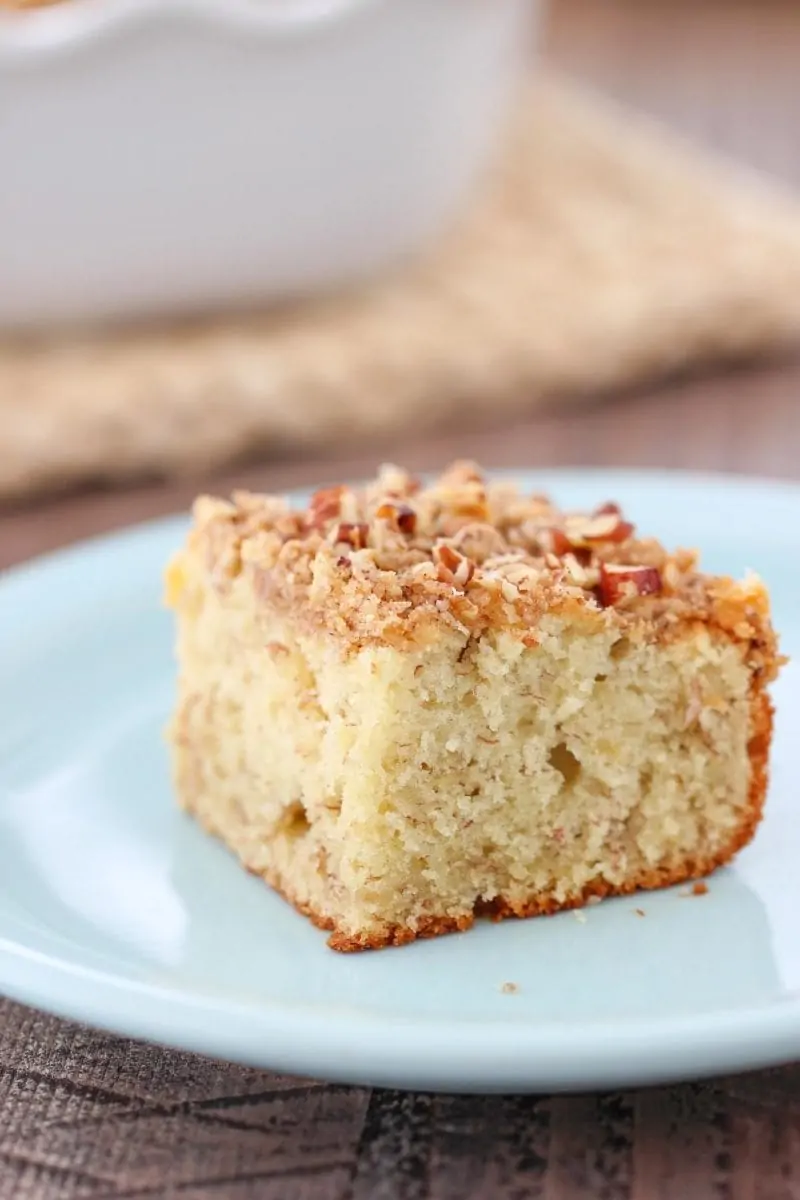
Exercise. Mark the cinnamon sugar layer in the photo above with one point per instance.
(394, 561)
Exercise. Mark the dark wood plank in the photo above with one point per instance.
(494, 1146)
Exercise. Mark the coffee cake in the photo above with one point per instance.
(404, 706)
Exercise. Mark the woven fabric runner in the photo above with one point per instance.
(601, 253)
(90, 1117)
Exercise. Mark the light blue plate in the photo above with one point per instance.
(116, 910)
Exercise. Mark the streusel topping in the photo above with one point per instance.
(385, 561)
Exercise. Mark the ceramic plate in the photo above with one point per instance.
(116, 910)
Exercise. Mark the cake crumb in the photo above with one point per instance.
(640, 912)
(700, 889)
(579, 916)
(510, 989)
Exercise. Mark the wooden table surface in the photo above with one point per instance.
(84, 1115)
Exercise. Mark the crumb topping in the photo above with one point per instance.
(394, 559)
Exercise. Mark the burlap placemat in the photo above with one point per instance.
(601, 253)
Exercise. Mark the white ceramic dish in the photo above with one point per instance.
(117, 910)
(174, 155)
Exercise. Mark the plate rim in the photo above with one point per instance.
(351, 1047)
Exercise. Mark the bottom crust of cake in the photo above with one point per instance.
(544, 903)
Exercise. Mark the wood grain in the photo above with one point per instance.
(85, 1115)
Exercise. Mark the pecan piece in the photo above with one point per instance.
(350, 534)
(606, 527)
(402, 516)
(325, 506)
(619, 582)
(554, 541)
(453, 568)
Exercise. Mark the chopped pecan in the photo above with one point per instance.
(619, 582)
(351, 534)
(402, 516)
(325, 506)
(554, 541)
(607, 527)
(453, 568)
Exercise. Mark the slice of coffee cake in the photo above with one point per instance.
(405, 706)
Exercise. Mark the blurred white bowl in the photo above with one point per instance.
(170, 156)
